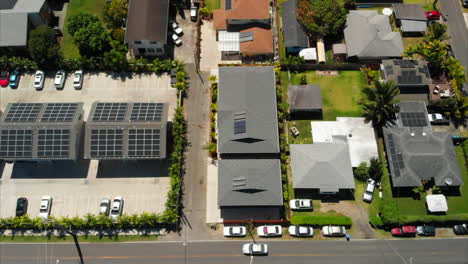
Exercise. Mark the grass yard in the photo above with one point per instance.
(75, 7)
(212, 4)
(407, 41)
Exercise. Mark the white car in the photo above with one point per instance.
(435, 117)
(234, 231)
(269, 231)
(104, 207)
(116, 210)
(255, 249)
(176, 28)
(59, 80)
(369, 192)
(301, 204)
(46, 205)
(301, 231)
(193, 13)
(39, 77)
(333, 231)
(178, 42)
(78, 79)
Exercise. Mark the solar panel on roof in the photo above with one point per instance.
(147, 112)
(23, 112)
(144, 143)
(59, 112)
(425, 70)
(105, 112)
(106, 143)
(396, 158)
(53, 143)
(413, 119)
(16, 143)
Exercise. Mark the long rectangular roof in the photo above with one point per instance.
(409, 12)
(147, 20)
(124, 130)
(293, 32)
(247, 119)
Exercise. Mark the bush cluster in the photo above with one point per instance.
(17, 63)
(320, 220)
(212, 146)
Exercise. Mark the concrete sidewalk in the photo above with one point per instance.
(213, 213)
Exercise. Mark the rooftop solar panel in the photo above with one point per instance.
(413, 119)
(147, 112)
(53, 143)
(396, 158)
(106, 143)
(23, 112)
(105, 112)
(144, 143)
(16, 143)
(59, 112)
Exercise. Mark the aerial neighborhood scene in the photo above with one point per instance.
(232, 131)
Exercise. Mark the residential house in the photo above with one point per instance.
(244, 29)
(17, 18)
(417, 155)
(305, 101)
(369, 37)
(147, 26)
(410, 18)
(322, 169)
(294, 34)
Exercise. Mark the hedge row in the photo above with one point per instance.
(438, 220)
(90, 221)
(320, 220)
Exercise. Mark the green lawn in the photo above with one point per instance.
(212, 4)
(411, 41)
(75, 7)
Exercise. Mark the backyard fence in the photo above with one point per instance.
(323, 67)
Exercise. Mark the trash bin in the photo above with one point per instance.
(348, 237)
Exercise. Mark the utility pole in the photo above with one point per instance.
(75, 238)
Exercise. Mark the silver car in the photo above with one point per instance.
(255, 249)
(78, 79)
(59, 80)
(46, 205)
(39, 77)
(117, 207)
(104, 207)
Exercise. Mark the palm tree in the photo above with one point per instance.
(378, 103)
(436, 31)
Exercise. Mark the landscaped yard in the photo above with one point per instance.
(407, 41)
(75, 7)
(212, 4)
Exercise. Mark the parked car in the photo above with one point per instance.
(255, 249)
(39, 77)
(438, 119)
(235, 231)
(14, 79)
(21, 206)
(176, 39)
(193, 13)
(301, 231)
(269, 231)
(404, 231)
(301, 204)
(4, 78)
(460, 229)
(117, 207)
(104, 207)
(465, 3)
(333, 231)
(59, 80)
(176, 28)
(425, 230)
(46, 205)
(78, 79)
(433, 15)
(369, 192)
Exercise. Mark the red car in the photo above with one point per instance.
(404, 231)
(433, 15)
(4, 78)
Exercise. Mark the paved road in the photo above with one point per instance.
(451, 251)
(458, 32)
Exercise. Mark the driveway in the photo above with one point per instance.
(458, 32)
(186, 52)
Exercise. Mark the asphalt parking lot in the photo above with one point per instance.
(78, 187)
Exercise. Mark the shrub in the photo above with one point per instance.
(118, 34)
(320, 220)
(362, 172)
(376, 222)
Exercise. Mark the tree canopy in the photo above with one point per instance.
(436, 31)
(43, 47)
(92, 39)
(80, 21)
(322, 18)
(378, 102)
(114, 13)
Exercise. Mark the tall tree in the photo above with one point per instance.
(80, 21)
(378, 103)
(92, 40)
(322, 18)
(43, 47)
(434, 52)
(436, 31)
(114, 13)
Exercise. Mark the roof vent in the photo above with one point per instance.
(412, 134)
(448, 181)
(239, 181)
(424, 133)
(350, 135)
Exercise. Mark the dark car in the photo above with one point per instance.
(21, 206)
(460, 229)
(465, 3)
(4, 78)
(426, 230)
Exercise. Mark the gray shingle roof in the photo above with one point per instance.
(249, 182)
(369, 35)
(304, 97)
(324, 166)
(416, 153)
(409, 11)
(147, 20)
(247, 93)
(293, 32)
(413, 26)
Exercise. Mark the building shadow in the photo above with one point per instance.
(133, 169)
(63, 169)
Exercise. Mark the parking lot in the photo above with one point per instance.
(78, 187)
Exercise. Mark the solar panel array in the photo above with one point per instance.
(425, 70)
(23, 112)
(409, 77)
(53, 143)
(406, 63)
(59, 112)
(16, 143)
(396, 157)
(413, 119)
(144, 143)
(389, 70)
(147, 112)
(108, 112)
(107, 142)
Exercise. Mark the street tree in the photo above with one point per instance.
(92, 40)
(322, 18)
(82, 20)
(434, 52)
(43, 47)
(378, 103)
(436, 31)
